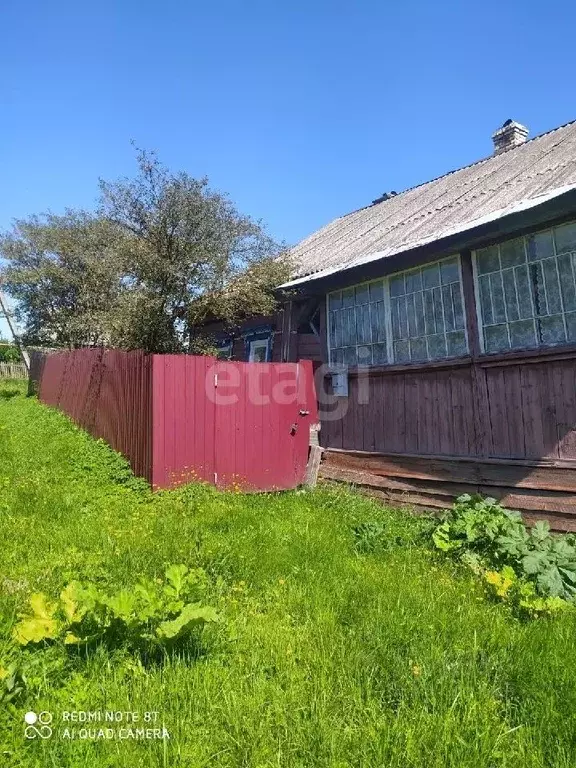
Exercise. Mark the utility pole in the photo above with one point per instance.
(8, 315)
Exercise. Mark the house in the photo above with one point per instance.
(445, 316)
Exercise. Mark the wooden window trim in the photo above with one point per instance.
(515, 357)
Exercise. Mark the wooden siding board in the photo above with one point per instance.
(395, 413)
(480, 405)
(425, 434)
(444, 411)
(411, 412)
(349, 407)
(360, 415)
(402, 412)
(443, 469)
(514, 417)
(548, 404)
(566, 398)
(372, 418)
(368, 479)
(462, 425)
(531, 406)
(542, 492)
(309, 347)
(541, 501)
(469, 407)
(497, 409)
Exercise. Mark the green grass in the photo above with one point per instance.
(326, 655)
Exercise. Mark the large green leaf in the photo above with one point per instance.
(36, 630)
(73, 603)
(541, 531)
(550, 582)
(442, 538)
(123, 605)
(192, 615)
(534, 562)
(41, 625)
(176, 578)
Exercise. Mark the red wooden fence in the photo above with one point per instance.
(179, 418)
(107, 392)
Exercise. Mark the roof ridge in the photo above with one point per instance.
(456, 170)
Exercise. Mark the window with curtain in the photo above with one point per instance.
(526, 289)
(412, 316)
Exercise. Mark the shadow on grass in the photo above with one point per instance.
(56, 664)
(8, 393)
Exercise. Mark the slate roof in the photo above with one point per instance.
(449, 203)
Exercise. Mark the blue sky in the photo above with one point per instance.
(301, 111)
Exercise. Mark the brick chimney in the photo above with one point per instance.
(511, 135)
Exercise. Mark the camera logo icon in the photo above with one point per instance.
(38, 725)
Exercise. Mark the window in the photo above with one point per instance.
(258, 351)
(358, 325)
(526, 290)
(411, 316)
(224, 349)
(428, 313)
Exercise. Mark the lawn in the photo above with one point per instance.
(327, 652)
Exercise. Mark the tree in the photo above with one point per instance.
(64, 274)
(9, 353)
(162, 254)
(189, 255)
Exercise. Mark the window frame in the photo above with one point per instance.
(539, 346)
(259, 343)
(225, 349)
(385, 280)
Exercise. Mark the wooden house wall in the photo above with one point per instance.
(306, 346)
(525, 409)
(505, 429)
(309, 347)
(218, 329)
(500, 425)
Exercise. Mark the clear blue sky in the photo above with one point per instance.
(300, 110)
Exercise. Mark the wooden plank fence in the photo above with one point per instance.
(13, 371)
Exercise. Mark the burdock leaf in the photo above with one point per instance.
(192, 615)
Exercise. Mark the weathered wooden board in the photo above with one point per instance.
(434, 493)
(455, 470)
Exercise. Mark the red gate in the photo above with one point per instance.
(235, 425)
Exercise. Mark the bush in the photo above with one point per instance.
(9, 353)
(533, 568)
(152, 614)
